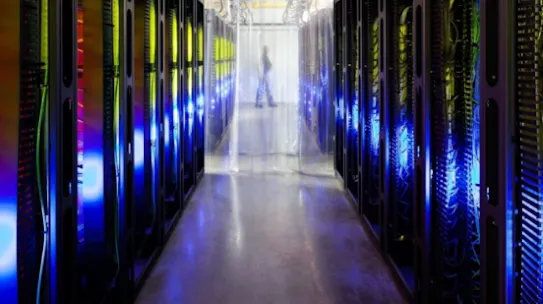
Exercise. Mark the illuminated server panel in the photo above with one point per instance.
(370, 118)
(447, 230)
(104, 141)
(199, 86)
(189, 97)
(339, 42)
(396, 137)
(148, 139)
(351, 93)
(173, 181)
(219, 78)
(229, 50)
(38, 200)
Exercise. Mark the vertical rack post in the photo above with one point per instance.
(62, 154)
(422, 207)
(126, 204)
(497, 149)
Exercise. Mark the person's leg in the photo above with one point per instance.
(267, 87)
(259, 92)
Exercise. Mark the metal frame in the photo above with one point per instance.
(199, 159)
(339, 68)
(422, 209)
(126, 229)
(497, 179)
(351, 24)
(63, 143)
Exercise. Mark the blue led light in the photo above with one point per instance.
(8, 242)
(476, 170)
(166, 131)
(8, 251)
(404, 148)
(200, 105)
(190, 112)
(340, 108)
(375, 126)
(93, 178)
(138, 148)
(355, 118)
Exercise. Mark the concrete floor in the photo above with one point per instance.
(266, 238)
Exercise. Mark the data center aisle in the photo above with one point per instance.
(259, 238)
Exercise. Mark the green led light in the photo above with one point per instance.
(174, 59)
(200, 43)
(152, 61)
(189, 41)
(174, 38)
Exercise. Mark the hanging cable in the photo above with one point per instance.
(43, 106)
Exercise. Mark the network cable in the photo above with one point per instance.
(43, 110)
(404, 129)
(452, 257)
(474, 207)
(116, 126)
(374, 110)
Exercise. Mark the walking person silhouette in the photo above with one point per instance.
(264, 83)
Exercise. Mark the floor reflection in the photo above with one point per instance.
(250, 238)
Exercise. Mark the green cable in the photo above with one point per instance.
(40, 188)
(44, 56)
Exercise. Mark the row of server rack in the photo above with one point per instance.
(102, 135)
(439, 142)
(316, 53)
(220, 66)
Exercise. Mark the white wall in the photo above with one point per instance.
(283, 52)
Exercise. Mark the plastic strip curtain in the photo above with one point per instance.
(283, 105)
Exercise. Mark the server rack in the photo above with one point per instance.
(219, 78)
(339, 71)
(189, 96)
(370, 119)
(230, 67)
(173, 185)
(148, 178)
(396, 137)
(351, 93)
(104, 138)
(446, 213)
(199, 149)
(39, 140)
(213, 89)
